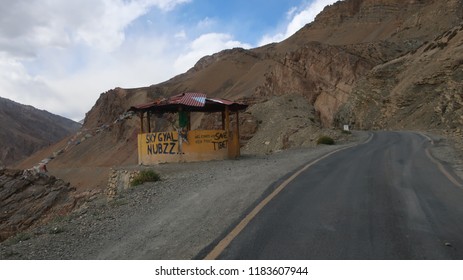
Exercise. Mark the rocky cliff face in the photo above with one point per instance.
(356, 21)
(321, 73)
(29, 200)
(420, 90)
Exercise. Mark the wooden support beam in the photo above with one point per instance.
(148, 119)
(141, 122)
(223, 120)
(237, 135)
(227, 121)
(229, 135)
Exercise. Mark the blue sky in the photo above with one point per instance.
(61, 55)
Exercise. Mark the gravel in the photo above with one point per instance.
(448, 150)
(176, 218)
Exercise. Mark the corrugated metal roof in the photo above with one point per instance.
(193, 99)
(190, 101)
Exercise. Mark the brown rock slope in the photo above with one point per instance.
(30, 200)
(362, 21)
(351, 43)
(25, 130)
(420, 90)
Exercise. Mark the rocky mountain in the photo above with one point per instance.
(25, 130)
(422, 89)
(31, 200)
(370, 63)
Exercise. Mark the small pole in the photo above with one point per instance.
(223, 120)
(227, 130)
(148, 119)
(227, 121)
(141, 122)
(237, 135)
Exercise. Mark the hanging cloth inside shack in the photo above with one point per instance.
(183, 119)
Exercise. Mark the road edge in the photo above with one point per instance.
(453, 179)
(216, 248)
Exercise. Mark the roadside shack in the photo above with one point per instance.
(183, 144)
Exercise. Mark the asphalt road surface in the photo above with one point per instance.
(384, 199)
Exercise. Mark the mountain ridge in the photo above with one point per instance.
(324, 65)
(26, 130)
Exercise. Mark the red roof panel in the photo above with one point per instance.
(192, 102)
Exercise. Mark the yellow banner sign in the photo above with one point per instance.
(197, 145)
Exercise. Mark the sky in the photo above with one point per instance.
(59, 55)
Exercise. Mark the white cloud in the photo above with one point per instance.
(291, 12)
(139, 62)
(206, 44)
(96, 23)
(180, 35)
(60, 55)
(206, 23)
(14, 79)
(299, 17)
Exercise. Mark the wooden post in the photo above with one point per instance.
(237, 136)
(141, 122)
(223, 120)
(148, 119)
(227, 130)
(179, 131)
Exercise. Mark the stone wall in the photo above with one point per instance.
(119, 180)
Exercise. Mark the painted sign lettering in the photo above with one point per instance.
(161, 143)
(219, 145)
(161, 148)
(160, 137)
(220, 136)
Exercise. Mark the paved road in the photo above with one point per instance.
(386, 199)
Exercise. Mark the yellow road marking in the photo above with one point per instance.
(427, 137)
(220, 247)
(439, 165)
(443, 170)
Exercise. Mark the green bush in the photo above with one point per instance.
(20, 237)
(326, 140)
(145, 176)
(56, 230)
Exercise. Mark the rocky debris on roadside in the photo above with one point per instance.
(285, 122)
(28, 199)
(119, 180)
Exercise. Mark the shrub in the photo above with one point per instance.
(20, 237)
(145, 176)
(56, 230)
(326, 140)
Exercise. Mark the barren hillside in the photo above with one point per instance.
(420, 90)
(357, 62)
(25, 130)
